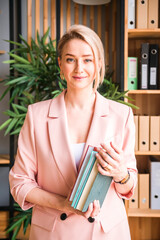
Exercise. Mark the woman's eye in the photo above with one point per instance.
(88, 60)
(70, 60)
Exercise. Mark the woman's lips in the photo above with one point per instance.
(78, 77)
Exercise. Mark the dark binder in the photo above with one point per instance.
(153, 66)
(144, 65)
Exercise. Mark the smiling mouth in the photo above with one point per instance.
(78, 77)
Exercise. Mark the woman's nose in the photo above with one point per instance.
(79, 67)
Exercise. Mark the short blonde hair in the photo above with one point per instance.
(89, 36)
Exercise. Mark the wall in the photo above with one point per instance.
(4, 70)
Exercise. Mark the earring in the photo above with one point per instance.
(61, 76)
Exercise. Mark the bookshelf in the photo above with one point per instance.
(144, 223)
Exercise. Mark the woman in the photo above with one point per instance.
(53, 142)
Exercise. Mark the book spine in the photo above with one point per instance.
(84, 179)
(84, 164)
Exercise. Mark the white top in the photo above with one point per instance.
(77, 149)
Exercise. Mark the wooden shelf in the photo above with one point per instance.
(144, 92)
(147, 153)
(2, 52)
(144, 33)
(133, 212)
(4, 159)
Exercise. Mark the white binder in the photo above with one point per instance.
(155, 183)
(131, 14)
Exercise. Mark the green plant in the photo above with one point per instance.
(21, 219)
(36, 78)
(111, 91)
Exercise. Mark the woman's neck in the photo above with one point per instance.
(80, 99)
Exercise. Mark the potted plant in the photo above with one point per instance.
(36, 78)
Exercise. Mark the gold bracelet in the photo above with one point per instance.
(124, 180)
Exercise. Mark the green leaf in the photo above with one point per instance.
(45, 36)
(17, 80)
(19, 59)
(15, 43)
(24, 109)
(15, 224)
(10, 113)
(5, 92)
(5, 124)
(25, 42)
(11, 125)
(9, 61)
(17, 131)
(32, 58)
(14, 108)
(24, 66)
(16, 231)
(114, 92)
(26, 223)
(128, 104)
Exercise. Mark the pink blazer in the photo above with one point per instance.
(45, 160)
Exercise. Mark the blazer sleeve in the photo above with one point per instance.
(22, 176)
(128, 147)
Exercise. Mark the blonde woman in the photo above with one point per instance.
(54, 140)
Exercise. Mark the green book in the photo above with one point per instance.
(98, 191)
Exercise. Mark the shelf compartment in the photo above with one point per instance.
(148, 103)
(133, 212)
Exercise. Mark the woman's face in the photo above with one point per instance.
(77, 64)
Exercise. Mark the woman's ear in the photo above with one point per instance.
(59, 62)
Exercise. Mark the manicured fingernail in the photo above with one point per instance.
(97, 149)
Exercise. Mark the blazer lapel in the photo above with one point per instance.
(59, 140)
(99, 129)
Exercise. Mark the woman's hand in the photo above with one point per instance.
(111, 162)
(92, 211)
(47, 199)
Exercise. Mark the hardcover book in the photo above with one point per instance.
(90, 184)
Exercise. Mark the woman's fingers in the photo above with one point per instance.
(87, 214)
(93, 209)
(105, 160)
(96, 208)
(113, 151)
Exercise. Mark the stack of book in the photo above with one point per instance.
(90, 184)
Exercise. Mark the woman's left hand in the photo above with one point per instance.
(111, 162)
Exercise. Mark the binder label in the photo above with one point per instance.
(153, 74)
(133, 68)
(131, 3)
(144, 75)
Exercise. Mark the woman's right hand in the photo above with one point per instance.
(46, 199)
(92, 211)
